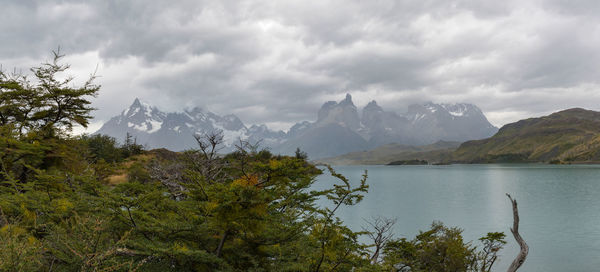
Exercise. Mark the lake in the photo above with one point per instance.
(559, 206)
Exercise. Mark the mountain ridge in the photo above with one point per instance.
(340, 127)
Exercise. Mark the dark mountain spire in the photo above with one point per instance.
(136, 103)
(347, 100)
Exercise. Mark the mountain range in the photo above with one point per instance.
(340, 127)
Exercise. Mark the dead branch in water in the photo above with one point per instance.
(520, 259)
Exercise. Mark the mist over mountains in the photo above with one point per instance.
(340, 127)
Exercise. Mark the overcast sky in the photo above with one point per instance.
(276, 62)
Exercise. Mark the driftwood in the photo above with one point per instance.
(520, 259)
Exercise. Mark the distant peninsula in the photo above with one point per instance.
(409, 162)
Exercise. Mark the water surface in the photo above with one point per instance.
(559, 206)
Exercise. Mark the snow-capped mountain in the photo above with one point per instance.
(176, 131)
(339, 127)
(449, 122)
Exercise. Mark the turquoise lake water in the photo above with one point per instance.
(559, 206)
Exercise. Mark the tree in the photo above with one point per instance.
(300, 154)
(103, 147)
(47, 103)
(441, 249)
(381, 233)
(337, 244)
(493, 242)
(131, 147)
(34, 114)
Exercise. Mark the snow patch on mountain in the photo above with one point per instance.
(155, 125)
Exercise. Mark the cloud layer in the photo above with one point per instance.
(275, 62)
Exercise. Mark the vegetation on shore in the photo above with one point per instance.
(409, 162)
(90, 204)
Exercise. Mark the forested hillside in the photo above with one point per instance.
(87, 203)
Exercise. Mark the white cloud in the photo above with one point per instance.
(275, 62)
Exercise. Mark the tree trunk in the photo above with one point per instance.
(520, 259)
(221, 243)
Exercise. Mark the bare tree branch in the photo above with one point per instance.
(210, 143)
(520, 259)
(207, 161)
(381, 233)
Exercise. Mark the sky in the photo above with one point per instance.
(277, 62)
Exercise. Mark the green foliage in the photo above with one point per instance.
(138, 173)
(103, 147)
(193, 211)
(47, 103)
(442, 249)
(34, 114)
(19, 251)
(131, 147)
(493, 242)
(106, 148)
(300, 154)
(87, 244)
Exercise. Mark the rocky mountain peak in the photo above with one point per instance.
(324, 110)
(136, 103)
(372, 107)
(343, 113)
(347, 101)
(232, 122)
(372, 115)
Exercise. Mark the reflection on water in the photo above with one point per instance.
(559, 206)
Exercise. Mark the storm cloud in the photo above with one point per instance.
(276, 62)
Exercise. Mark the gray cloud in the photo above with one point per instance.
(275, 62)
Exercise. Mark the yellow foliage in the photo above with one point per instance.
(275, 164)
(4, 229)
(31, 240)
(12, 230)
(29, 216)
(62, 205)
(246, 180)
(180, 248)
(211, 206)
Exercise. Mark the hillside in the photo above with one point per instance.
(567, 136)
(433, 153)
